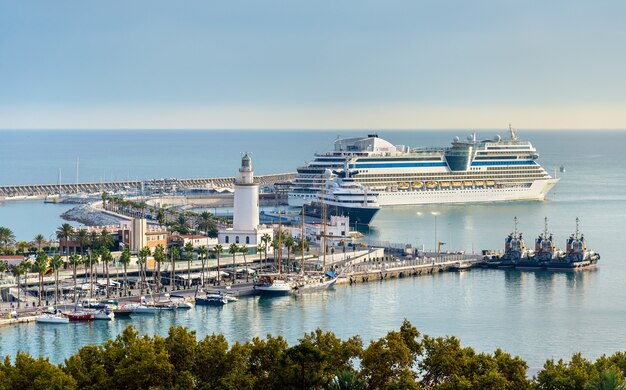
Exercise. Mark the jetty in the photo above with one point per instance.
(35, 191)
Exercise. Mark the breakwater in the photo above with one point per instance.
(43, 190)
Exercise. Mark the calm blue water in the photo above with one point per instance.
(534, 314)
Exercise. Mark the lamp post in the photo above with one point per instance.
(435, 214)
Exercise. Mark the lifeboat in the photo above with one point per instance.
(468, 183)
(417, 184)
(479, 183)
(456, 184)
(431, 184)
(444, 184)
(403, 185)
(490, 183)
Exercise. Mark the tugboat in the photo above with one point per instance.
(576, 256)
(514, 249)
(545, 251)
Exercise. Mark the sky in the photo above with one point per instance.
(289, 64)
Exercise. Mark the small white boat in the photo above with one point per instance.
(277, 287)
(321, 284)
(183, 305)
(104, 315)
(52, 319)
(143, 309)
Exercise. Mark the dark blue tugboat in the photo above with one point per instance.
(514, 249)
(545, 251)
(576, 256)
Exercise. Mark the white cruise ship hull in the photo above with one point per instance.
(536, 192)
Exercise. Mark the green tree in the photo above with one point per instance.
(289, 243)
(82, 238)
(142, 260)
(39, 240)
(6, 237)
(159, 257)
(125, 260)
(189, 256)
(3, 268)
(233, 249)
(22, 246)
(266, 239)
(218, 250)
(175, 255)
(40, 266)
(94, 258)
(63, 233)
(31, 374)
(387, 361)
(610, 379)
(74, 260)
(161, 217)
(56, 263)
(206, 222)
(243, 249)
(575, 374)
(18, 271)
(106, 257)
(202, 252)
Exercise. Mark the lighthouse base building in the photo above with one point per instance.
(246, 229)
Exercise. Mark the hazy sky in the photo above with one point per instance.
(312, 64)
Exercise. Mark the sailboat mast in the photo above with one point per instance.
(280, 243)
(324, 236)
(302, 240)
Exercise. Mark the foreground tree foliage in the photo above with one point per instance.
(320, 360)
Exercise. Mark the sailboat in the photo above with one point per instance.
(275, 286)
(328, 279)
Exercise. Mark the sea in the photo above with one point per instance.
(534, 314)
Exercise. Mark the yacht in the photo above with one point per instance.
(343, 196)
(470, 170)
(276, 287)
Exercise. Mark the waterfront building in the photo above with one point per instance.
(246, 229)
(197, 240)
(337, 232)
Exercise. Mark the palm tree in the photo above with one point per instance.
(56, 263)
(18, 271)
(175, 254)
(75, 261)
(206, 222)
(125, 260)
(94, 257)
(202, 251)
(40, 266)
(39, 240)
(63, 233)
(266, 239)
(106, 259)
(6, 236)
(159, 256)
(106, 239)
(244, 251)
(161, 217)
(218, 250)
(83, 240)
(233, 249)
(142, 259)
(289, 243)
(189, 256)
(94, 240)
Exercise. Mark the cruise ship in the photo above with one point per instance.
(471, 170)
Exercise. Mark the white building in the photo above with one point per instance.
(337, 232)
(246, 229)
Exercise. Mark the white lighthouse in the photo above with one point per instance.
(246, 214)
(246, 229)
